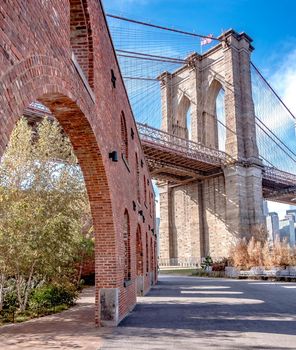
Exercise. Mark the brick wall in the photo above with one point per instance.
(37, 39)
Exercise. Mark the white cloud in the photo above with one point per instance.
(284, 80)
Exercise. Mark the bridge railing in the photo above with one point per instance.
(279, 176)
(188, 148)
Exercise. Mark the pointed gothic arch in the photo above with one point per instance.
(182, 122)
(211, 124)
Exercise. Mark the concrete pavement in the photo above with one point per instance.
(179, 313)
(202, 313)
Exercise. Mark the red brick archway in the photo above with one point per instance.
(38, 64)
(55, 93)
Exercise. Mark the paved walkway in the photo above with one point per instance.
(71, 329)
(180, 313)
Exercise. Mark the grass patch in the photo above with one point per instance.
(212, 274)
(193, 272)
(182, 272)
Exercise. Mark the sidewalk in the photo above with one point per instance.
(71, 329)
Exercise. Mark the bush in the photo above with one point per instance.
(255, 253)
(206, 263)
(49, 296)
(281, 254)
(259, 253)
(240, 255)
(219, 265)
(10, 302)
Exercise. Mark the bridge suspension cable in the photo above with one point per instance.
(146, 50)
(162, 27)
(275, 125)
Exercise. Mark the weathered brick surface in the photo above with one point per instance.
(37, 39)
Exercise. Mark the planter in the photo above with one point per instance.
(232, 272)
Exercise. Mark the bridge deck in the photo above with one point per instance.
(179, 160)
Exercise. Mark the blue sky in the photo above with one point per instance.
(271, 24)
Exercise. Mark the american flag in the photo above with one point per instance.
(207, 40)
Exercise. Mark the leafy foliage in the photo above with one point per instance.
(52, 295)
(43, 209)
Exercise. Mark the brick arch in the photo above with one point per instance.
(41, 67)
(139, 252)
(54, 87)
(124, 136)
(127, 245)
(81, 39)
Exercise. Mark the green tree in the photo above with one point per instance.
(43, 203)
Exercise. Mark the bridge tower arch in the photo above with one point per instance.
(209, 213)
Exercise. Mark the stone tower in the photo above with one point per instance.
(207, 215)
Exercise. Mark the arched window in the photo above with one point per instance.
(138, 179)
(139, 252)
(127, 246)
(152, 205)
(124, 137)
(145, 190)
(147, 253)
(155, 257)
(81, 38)
(151, 255)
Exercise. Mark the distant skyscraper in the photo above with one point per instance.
(287, 229)
(292, 214)
(265, 208)
(272, 223)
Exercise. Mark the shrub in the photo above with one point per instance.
(266, 254)
(255, 257)
(206, 263)
(259, 253)
(239, 254)
(281, 254)
(51, 295)
(10, 302)
(220, 265)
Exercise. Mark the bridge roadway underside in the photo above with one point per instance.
(170, 165)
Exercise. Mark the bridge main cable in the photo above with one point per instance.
(163, 28)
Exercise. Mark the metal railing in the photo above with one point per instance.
(276, 175)
(186, 147)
